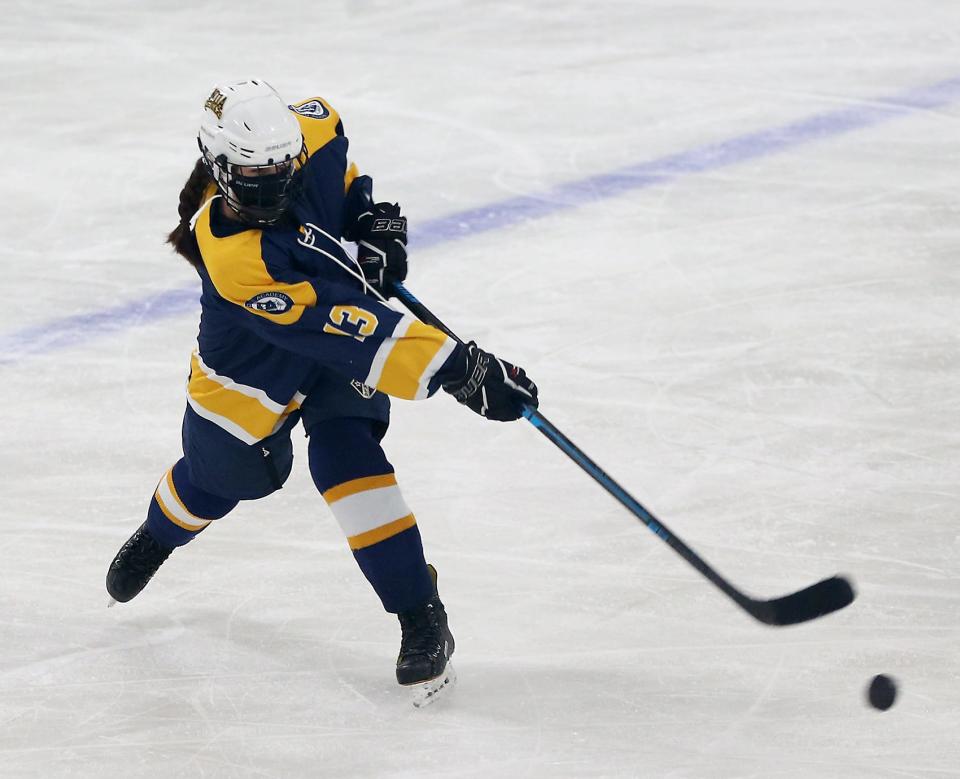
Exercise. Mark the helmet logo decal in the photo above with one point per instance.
(215, 103)
(312, 108)
(270, 302)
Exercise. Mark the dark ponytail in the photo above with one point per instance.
(182, 238)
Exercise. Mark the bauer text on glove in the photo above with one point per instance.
(381, 245)
(491, 387)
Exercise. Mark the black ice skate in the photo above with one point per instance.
(425, 649)
(135, 564)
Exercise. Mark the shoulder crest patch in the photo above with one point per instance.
(312, 108)
(270, 302)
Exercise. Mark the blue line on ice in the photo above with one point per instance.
(80, 328)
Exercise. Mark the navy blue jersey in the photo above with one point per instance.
(278, 302)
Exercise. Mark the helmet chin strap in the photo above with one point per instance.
(196, 216)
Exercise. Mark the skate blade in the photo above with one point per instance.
(426, 693)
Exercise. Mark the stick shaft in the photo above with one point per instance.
(810, 603)
(553, 434)
(629, 502)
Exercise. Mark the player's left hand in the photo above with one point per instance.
(382, 245)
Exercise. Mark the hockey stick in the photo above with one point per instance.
(814, 601)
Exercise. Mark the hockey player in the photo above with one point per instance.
(293, 329)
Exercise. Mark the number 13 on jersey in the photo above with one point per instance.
(351, 321)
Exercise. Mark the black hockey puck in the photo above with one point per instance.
(882, 692)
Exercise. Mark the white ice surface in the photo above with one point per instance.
(766, 354)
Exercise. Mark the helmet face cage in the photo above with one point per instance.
(258, 194)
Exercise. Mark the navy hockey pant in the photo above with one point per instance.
(350, 470)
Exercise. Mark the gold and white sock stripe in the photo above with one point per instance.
(370, 509)
(173, 508)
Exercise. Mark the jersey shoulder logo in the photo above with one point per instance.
(270, 302)
(311, 108)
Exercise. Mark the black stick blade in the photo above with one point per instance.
(815, 601)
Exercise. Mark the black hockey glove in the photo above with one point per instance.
(381, 235)
(491, 387)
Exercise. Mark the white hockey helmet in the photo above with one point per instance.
(252, 146)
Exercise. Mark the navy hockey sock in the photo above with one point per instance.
(179, 510)
(358, 483)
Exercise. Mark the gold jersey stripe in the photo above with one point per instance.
(246, 412)
(352, 172)
(238, 272)
(382, 533)
(317, 132)
(409, 359)
(352, 487)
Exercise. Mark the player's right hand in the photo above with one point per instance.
(491, 387)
